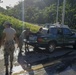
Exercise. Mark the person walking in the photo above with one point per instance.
(8, 40)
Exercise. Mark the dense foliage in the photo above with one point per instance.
(43, 11)
(17, 24)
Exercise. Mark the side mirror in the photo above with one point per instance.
(72, 33)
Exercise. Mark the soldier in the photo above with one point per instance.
(9, 34)
(21, 40)
(40, 31)
(24, 35)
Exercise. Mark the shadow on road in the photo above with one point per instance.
(24, 63)
(66, 59)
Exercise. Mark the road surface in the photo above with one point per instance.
(60, 62)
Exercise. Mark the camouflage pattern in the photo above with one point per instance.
(9, 48)
(24, 35)
(20, 43)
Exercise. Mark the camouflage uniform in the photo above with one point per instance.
(9, 48)
(21, 39)
(9, 34)
(24, 35)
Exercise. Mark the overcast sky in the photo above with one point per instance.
(8, 3)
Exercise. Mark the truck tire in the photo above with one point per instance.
(51, 46)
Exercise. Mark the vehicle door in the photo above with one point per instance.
(57, 33)
(60, 36)
(67, 35)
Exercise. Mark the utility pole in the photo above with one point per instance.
(63, 12)
(22, 13)
(57, 11)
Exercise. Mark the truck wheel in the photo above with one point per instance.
(51, 47)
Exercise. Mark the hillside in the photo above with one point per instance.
(17, 24)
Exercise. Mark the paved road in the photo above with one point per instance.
(43, 63)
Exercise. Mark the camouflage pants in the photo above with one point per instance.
(20, 43)
(9, 52)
